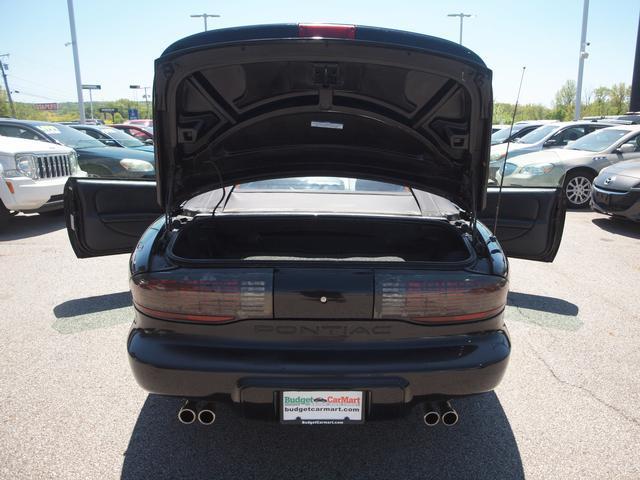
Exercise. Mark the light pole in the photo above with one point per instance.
(461, 15)
(76, 60)
(204, 16)
(91, 88)
(583, 55)
(6, 85)
(145, 96)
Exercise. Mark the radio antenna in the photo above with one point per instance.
(506, 155)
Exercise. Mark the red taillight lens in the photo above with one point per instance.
(205, 295)
(326, 30)
(439, 297)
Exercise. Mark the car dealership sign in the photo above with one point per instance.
(46, 106)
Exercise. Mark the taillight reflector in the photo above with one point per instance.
(439, 297)
(204, 295)
(326, 30)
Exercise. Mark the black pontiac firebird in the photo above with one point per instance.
(324, 262)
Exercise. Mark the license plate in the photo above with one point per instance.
(321, 407)
(603, 198)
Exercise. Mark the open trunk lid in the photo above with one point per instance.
(249, 103)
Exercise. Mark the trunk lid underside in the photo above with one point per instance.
(228, 112)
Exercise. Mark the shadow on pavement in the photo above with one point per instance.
(480, 446)
(25, 226)
(89, 313)
(548, 312)
(99, 303)
(617, 226)
(542, 303)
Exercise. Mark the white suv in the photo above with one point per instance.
(33, 174)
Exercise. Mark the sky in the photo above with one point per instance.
(118, 40)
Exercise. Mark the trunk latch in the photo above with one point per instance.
(326, 75)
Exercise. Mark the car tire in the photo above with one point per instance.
(4, 216)
(577, 188)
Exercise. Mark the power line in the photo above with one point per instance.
(22, 92)
(41, 86)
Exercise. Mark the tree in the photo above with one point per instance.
(619, 96)
(564, 101)
(600, 101)
(5, 111)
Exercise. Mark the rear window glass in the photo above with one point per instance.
(538, 134)
(324, 184)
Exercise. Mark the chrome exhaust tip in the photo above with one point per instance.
(448, 414)
(431, 416)
(207, 415)
(187, 413)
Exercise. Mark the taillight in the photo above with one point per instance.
(326, 30)
(205, 295)
(439, 297)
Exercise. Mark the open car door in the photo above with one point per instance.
(107, 217)
(530, 222)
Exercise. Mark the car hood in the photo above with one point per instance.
(117, 153)
(556, 155)
(243, 104)
(630, 168)
(498, 150)
(143, 148)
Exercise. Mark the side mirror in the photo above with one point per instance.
(148, 141)
(570, 142)
(552, 142)
(108, 142)
(626, 148)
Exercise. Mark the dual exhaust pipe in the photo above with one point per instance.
(434, 413)
(189, 412)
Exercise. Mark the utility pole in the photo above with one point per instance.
(6, 86)
(204, 16)
(76, 60)
(583, 56)
(634, 104)
(461, 15)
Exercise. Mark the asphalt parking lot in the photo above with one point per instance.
(569, 406)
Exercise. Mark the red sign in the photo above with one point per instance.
(46, 106)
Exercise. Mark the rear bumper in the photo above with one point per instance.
(622, 204)
(391, 372)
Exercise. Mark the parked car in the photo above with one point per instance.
(112, 137)
(520, 129)
(575, 166)
(93, 156)
(141, 122)
(144, 134)
(32, 176)
(88, 121)
(373, 299)
(553, 135)
(616, 190)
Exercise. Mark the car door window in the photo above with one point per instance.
(568, 135)
(92, 133)
(635, 140)
(19, 132)
(592, 128)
